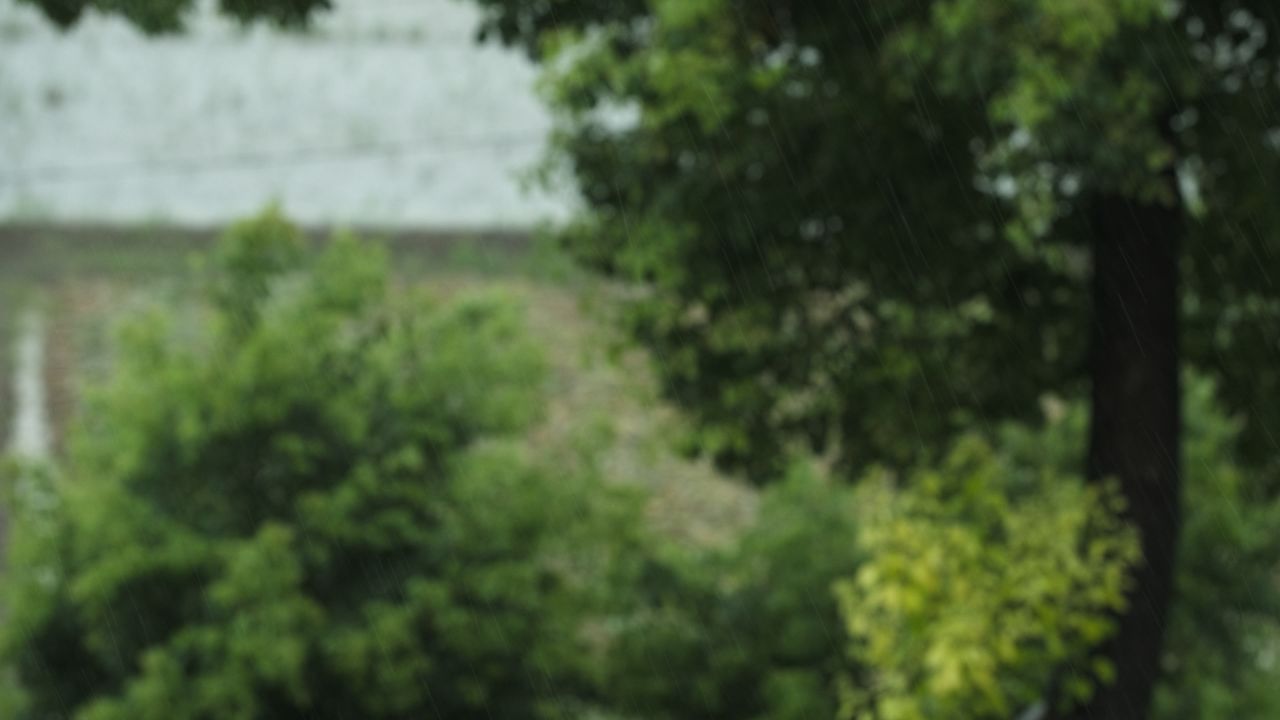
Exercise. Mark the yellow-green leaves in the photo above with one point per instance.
(983, 584)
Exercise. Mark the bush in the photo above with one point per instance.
(989, 583)
(975, 588)
(310, 499)
(1225, 619)
(310, 506)
(942, 570)
(966, 591)
(748, 631)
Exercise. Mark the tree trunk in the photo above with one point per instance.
(1135, 428)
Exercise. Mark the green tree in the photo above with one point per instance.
(866, 226)
(303, 501)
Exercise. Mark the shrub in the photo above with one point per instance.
(1225, 621)
(747, 631)
(988, 583)
(309, 505)
(1219, 654)
(967, 590)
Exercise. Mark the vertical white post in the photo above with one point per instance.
(31, 434)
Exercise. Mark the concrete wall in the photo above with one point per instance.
(386, 114)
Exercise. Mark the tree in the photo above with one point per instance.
(309, 506)
(861, 221)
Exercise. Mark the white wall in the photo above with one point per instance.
(386, 114)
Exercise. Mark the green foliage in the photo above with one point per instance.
(862, 227)
(1226, 624)
(975, 588)
(749, 631)
(853, 217)
(1226, 614)
(310, 506)
(865, 227)
(986, 585)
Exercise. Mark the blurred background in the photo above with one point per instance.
(639, 359)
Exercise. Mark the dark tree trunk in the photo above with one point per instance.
(1135, 428)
